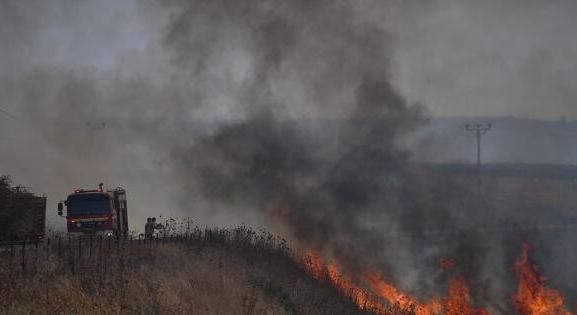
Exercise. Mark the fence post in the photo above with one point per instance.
(90, 248)
(100, 259)
(11, 254)
(79, 249)
(100, 245)
(71, 255)
(24, 257)
(36, 255)
(118, 245)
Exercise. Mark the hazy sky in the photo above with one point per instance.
(458, 57)
(67, 65)
(465, 57)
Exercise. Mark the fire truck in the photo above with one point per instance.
(96, 212)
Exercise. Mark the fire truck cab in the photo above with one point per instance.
(96, 212)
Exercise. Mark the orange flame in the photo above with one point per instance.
(345, 286)
(532, 297)
(403, 301)
(458, 301)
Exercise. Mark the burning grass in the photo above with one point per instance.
(219, 271)
(532, 296)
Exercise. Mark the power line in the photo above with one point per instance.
(478, 130)
(13, 117)
(7, 114)
(89, 125)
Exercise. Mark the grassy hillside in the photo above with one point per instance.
(206, 272)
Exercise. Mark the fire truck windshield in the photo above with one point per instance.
(85, 204)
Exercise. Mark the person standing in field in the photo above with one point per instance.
(148, 228)
(155, 225)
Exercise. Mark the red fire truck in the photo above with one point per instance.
(96, 212)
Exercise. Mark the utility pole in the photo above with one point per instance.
(478, 130)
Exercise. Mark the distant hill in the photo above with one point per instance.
(540, 171)
(445, 140)
(511, 140)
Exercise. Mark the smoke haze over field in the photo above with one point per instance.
(488, 57)
(287, 114)
(458, 57)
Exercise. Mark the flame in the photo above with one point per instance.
(332, 273)
(458, 301)
(532, 297)
(373, 293)
(403, 301)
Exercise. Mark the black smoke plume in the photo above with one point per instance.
(276, 113)
(315, 142)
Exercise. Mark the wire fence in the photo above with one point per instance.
(87, 254)
(110, 269)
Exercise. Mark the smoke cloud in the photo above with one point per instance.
(314, 143)
(283, 114)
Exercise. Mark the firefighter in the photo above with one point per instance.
(148, 228)
(155, 225)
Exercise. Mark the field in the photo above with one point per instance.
(513, 196)
(239, 271)
(205, 272)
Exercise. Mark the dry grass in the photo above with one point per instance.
(210, 272)
(507, 200)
